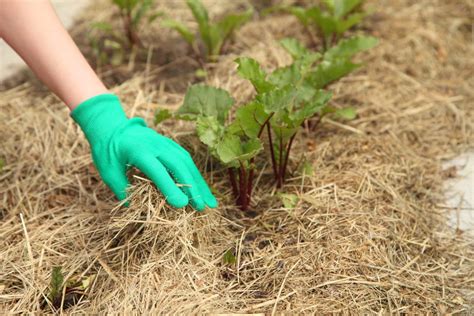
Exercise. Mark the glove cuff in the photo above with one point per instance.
(99, 116)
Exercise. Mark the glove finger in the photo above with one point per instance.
(173, 161)
(116, 179)
(154, 170)
(208, 197)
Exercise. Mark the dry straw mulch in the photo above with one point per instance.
(368, 233)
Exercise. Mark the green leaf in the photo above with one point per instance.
(162, 115)
(232, 22)
(180, 28)
(229, 257)
(285, 76)
(330, 71)
(56, 284)
(154, 16)
(201, 16)
(289, 200)
(200, 73)
(349, 22)
(294, 47)
(209, 130)
(250, 118)
(307, 169)
(231, 150)
(300, 13)
(144, 7)
(199, 12)
(348, 113)
(343, 7)
(250, 69)
(202, 100)
(326, 23)
(309, 109)
(347, 48)
(122, 4)
(2, 164)
(277, 99)
(103, 26)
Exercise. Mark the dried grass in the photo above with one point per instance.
(368, 235)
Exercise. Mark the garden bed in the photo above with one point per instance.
(367, 230)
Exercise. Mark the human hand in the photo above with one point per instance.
(118, 142)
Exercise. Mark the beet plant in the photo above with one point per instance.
(290, 95)
(108, 44)
(285, 99)
(132, 13)
(333, 20)
(209, 108)
(213, 35)
(336, 62)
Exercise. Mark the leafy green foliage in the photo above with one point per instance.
(225, 143)
(66, 293)
(290, 95)
(230, 143)
(289, 200)
(338, 17)
(162, 115)
(108, 44)
(201, 100)
(285, 98)
(336, 62)
(56, 284)
(132, 13)
(229, 257)
(213, 35)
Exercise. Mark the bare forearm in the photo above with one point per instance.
(33, 30)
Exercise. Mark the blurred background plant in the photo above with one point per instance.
(213, 35)
(109, 45)
(329, 21)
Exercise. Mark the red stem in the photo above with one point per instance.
(243, 203)
(315, 124)
(287, 155)
(250, 183)
(280, 163)
(233, 182)
(252, 161)
(132, 36)
(272, 153)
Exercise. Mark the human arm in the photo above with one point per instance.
(34, 31)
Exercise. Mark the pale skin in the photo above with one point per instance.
(34, 31)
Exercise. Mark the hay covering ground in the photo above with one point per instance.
(368, 233)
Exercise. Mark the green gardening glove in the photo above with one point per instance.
(118, 142)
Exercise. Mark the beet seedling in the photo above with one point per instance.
(337, 17)
(108, 44)
(290, 95)
(132, 13)
(209, 107)
(212, 35)
(285, 100)
(335, 63)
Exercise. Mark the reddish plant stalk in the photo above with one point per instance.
(252, 161)
(280, 163)
(243, 199)
(287, 156)
(272, 153)
(132, 36)
(233, 183)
